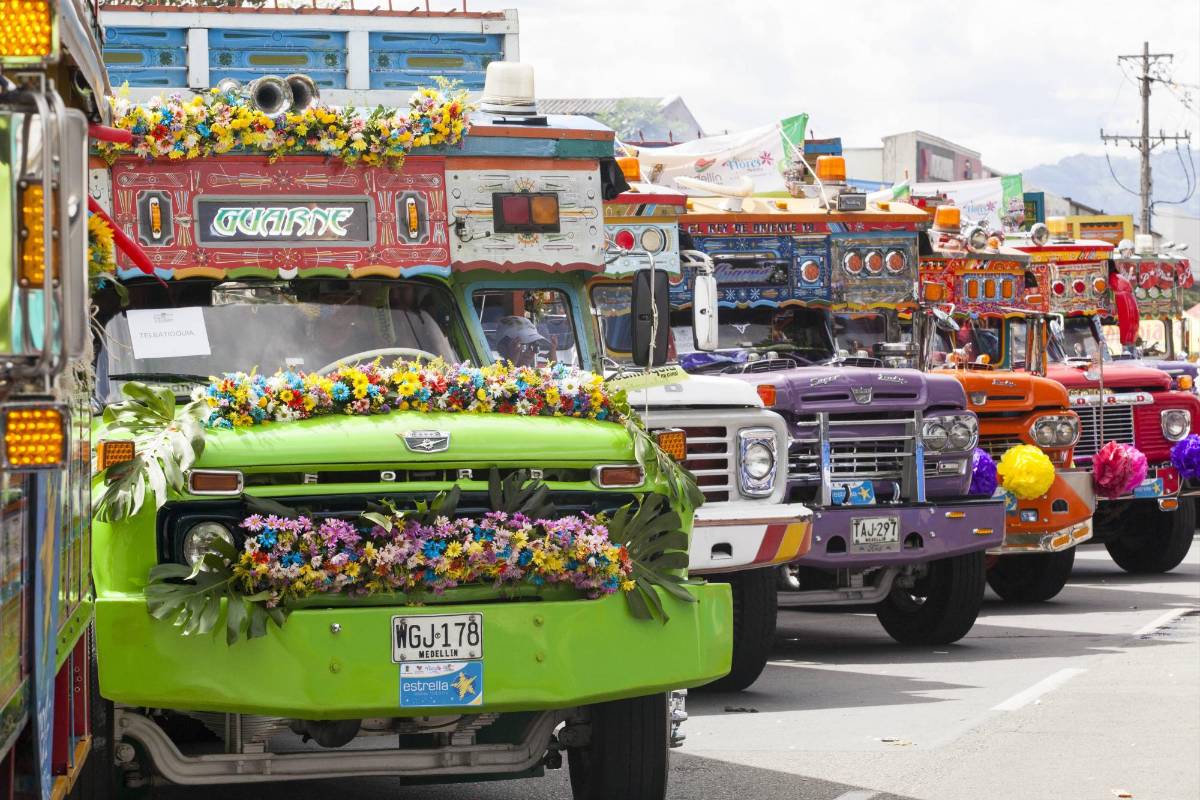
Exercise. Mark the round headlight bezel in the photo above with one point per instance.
(935, 435)
(193, 547)
(651, 246)
(1176, 423)
(962, 437)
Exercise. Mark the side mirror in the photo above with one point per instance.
(704, 311)
(944, 321)
(73, 194)
(651, 317)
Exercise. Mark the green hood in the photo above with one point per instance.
(475, 439)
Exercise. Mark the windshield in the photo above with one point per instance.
(181, 332)
(803, 331)
(529, 327)
(976, 339)
(1076, 339)
(856, 335)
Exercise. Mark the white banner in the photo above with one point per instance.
(999, 203)
(760, 154)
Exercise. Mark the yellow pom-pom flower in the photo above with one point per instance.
(1026, 471)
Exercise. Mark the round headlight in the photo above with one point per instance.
(962, 435)
(935, 436)
(1065, 431)
(874, 262)
(1176, 423)
(758, 461)
(653, 240)
(1044, 433)
(198, 538)
(853, 263)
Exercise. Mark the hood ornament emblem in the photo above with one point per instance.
(426, 441)
(861, 394)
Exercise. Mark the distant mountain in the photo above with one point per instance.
(1087, 180)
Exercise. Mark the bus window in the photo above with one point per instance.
(529, 327)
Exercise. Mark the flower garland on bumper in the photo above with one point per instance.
(219, 122)
(287, 556)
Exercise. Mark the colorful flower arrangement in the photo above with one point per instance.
(290, 559)
(239, 399)
(1118, 469)
(983, 473)
(101, 252)
(219, 122)
(522, 545)
(1026, 471)
(1185, 457)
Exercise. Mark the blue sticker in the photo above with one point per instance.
(441, 683)
(1010, 502)
(1151, 487)
(862, 493)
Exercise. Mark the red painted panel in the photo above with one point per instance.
(180, 184)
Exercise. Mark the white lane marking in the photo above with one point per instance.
(1024, 698)
(1163, 621)
(857, 794)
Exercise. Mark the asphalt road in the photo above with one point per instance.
(1093, 696)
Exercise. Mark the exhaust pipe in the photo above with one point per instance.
(229, 86)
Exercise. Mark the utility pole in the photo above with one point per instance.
(1143, 143)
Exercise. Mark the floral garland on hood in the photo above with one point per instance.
(239, 399)
(219, 122)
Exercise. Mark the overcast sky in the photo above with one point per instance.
(1024, 82)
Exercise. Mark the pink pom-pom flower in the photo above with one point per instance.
(1118, 469)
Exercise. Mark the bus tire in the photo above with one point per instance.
(755, 610)
(627, 754)
(1031, 577)
(941, 607)
(1157, 541)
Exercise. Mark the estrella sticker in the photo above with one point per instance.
(1010, 501)
(441, 683)
(1151, 487)
(862, 493)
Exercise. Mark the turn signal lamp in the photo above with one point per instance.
(947, 218)
(412, 217)
(28, 29)
(110, 453)
(630, 168)
(1057, 227)
(215, 481)
(621, 475)
(766, 393)
(1184, 382)
(831, 169)
(33, 236)
(1099, 285)
(624, 239)
(934, 292)
(33, 437)
(673, 442)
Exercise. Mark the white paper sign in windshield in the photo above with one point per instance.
(168, 332)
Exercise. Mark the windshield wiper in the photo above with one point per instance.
(159, 377)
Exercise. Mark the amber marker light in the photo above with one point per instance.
(33, 237)
(33, 437)
(766, 393)
(215, 481)
(947, 218)
(673, 442)
(618, 476)
(113, 452)
(28, 29)
(831, 169)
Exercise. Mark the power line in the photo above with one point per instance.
(1143, 142)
